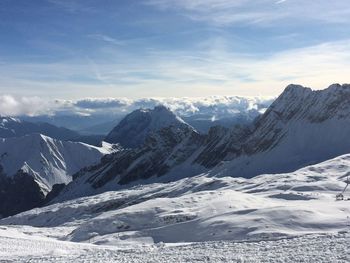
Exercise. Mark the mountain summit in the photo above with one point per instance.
(132, 131)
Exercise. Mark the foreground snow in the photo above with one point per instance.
(21, 247)
(284, 217)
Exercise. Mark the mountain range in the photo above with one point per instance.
(302, 127)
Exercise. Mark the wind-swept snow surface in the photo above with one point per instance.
(19, 247)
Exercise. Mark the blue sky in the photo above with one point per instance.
(71, 49)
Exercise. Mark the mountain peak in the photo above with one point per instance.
(299, 89)
(294, 89)
(298, 102)
(132, 131)
(338, 87)
(161, 108)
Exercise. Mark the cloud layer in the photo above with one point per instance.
(221, 106)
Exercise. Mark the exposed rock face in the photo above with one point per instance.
(222, 144)
(300, 106)
(295, 110)
(18, 193)
(133, 130)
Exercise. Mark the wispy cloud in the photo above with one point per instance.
(227, 12)
(13, 106)
(281, 1)
(71, 6)
(209, 70)
(107, 39)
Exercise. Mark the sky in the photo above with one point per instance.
(72, 49)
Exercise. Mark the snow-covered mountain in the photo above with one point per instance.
(133, 130)
(301, 127)
(161, 154)
(32, 164)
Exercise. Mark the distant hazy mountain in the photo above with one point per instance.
(133, 130)
(32, 164)
(101, 115)
(13, 127)
(99, 124)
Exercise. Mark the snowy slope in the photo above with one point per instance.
(31, 165)
(133, 130)
(203, 208)
(48, 160)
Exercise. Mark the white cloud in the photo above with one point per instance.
(106, 38)
(223, 105)
(13, 106)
